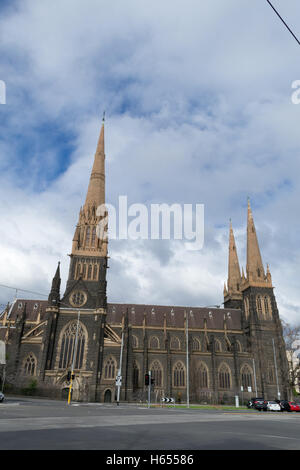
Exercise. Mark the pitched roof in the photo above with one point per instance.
(153, 314)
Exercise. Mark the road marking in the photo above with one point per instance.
(262, 435)
(147, 418)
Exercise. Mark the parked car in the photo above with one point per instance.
(293, 406)
(259, 405)
(1, 397)
(271, 406)
(288, 405)
(252, 401)
(284, 405)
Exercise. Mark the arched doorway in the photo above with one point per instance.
(107, 396)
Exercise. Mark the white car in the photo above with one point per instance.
(272, 406)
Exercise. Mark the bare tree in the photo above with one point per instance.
(291, 336)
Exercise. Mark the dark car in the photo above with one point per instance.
(284, 405)
(1, 397)
(253, 401)
(259, 405)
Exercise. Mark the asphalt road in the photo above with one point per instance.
(43, 424)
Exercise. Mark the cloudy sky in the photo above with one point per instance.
(198, 110)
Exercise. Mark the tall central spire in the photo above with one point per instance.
(96, 190)
(88, 263)
(86, 241)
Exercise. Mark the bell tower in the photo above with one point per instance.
(86, 285)
(261, 322)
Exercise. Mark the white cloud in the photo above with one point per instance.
(198, 99)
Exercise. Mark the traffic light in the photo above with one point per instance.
(152, 381)
(73, 376)
(68, 376)
(146, 379)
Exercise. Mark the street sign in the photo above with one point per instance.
(249, 389)
(168, 400)
(119, 382)
(2, 352)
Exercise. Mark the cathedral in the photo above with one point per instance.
(214, 353)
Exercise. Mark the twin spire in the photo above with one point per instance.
(255, 273)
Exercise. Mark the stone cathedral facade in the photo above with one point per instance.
(230, 349)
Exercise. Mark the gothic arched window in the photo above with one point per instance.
(88, 236)
(69, 350)
(30, 365)
(93, 236)
(175, 343)
(156, 373)
(84, 271)
(154, 343)
(135, 343)
(110, 368)
(202, 376)
(246, 376)
(246, 306)
(224, 377)
(218, 346)
(179, 375)
(196, 346)
(267, 306)
(89, 271)
(95, 274)
(259, 305)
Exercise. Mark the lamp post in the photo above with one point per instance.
(276, 373)
(187, 361)
(119, 378)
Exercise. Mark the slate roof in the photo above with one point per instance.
(154, 314)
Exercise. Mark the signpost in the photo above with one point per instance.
(149, 389)
(2, 362)
(118, 381)
(119, 376)
(168, 400)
